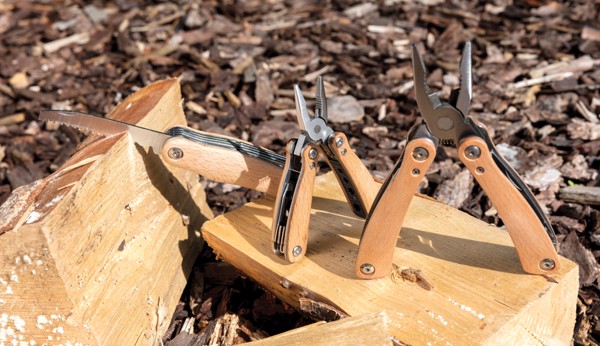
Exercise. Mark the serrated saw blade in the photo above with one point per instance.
(107, 127)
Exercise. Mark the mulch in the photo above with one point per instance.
(536, 87)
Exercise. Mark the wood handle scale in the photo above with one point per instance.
(224, 159)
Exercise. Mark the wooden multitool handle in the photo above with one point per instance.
(293, 204)
(224, 159)
(534, 246)
(383, 225)
(357, 182)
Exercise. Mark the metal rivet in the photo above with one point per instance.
(312, 165)
(367, 269)
(472, 152)
(420, 154)
(416, 171)
(312, 153)
(339, 142)
(479, 170)
(175, 153)
(344, 151)
(297, 250)
(547, 264)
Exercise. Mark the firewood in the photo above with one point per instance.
(368, 329)
(458, 280)
(99, 251)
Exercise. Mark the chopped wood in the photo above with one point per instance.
(81, 38)
(459, 256)
(589, 195)
(367, 329)
(103, 231)
(12, 119)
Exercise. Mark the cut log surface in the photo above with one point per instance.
(456, 279)
(369, 329)
(99, 252)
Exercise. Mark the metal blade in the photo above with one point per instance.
(301, 110)
(423, 94)
(321, 100)
(465, 93)
(107, 127)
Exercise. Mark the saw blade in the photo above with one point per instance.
(107, 127)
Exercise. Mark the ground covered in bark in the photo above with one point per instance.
(536, 80)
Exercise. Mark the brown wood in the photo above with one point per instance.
(224, 165)
(369, 329)
(380, 233)
(366, 186)
(467, 286)
(99, 251)
(580, 194)
(526, 231)
(298, 221)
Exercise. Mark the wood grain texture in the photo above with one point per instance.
(381, 229)
(102, 250)
(366, 186)
(477, 291)
(224, 165)
(526, 231)
(580, 194)
(299, 219)
(369, 329)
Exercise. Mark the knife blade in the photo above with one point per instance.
(108, 127)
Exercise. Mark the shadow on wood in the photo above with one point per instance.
(457, 280)
(99, 252)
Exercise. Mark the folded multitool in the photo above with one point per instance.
(292, 207)
(448, 123)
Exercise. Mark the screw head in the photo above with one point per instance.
(472, 152)
(344, 151)
(312, 153)
(547, 264)
(339, 142)
(420, 154)
(367, 269)
(312, 165)
(297, 250)
(175, 153)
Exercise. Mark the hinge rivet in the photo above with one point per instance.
(312, 153)
(420, 154)
(472, 152)
(547, 264)
(367, 269)
(175, 153)
(339, 142)
(297, 250)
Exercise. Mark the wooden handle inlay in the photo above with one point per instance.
(534, 247)
(223, 165)
(299, 217)
(381, 230)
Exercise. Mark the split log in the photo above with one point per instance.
(457, 280)
(99, 252)
(370, 329)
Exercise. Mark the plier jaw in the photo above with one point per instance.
(445, 119)
(315, 128)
